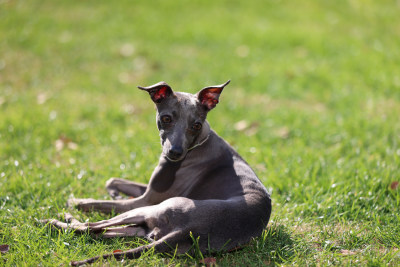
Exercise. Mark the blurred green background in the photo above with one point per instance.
(313, 106)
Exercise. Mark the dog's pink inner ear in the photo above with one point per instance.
(210, 98)
(160, 94)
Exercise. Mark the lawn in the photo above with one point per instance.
(313, 106)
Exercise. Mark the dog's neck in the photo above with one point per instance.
(203, 136)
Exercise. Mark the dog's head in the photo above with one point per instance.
(181, 116)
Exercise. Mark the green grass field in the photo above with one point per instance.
(313, 106)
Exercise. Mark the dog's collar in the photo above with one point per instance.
(191, 148)
(200, 143)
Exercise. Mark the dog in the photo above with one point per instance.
(200, 188)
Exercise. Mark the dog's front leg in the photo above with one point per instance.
(115, 186)
(107, 206)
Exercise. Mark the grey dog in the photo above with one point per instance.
(200, 187)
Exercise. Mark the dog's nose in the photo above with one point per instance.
(175, 152)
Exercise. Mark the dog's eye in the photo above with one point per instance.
(166, 119)
(196, 126)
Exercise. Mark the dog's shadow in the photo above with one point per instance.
(275, 246)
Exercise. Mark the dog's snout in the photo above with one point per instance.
(175, 152)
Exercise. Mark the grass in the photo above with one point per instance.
(313, 106)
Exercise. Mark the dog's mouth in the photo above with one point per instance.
(175, 153)
(173, 157)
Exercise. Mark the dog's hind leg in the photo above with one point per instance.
(115, 186)
(124, 231)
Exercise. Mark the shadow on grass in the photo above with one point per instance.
(274, 246)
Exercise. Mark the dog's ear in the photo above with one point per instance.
(158, 92)
(208, 96)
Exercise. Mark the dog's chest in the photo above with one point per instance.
(186, 180)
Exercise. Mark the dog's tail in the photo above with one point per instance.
(159, 246)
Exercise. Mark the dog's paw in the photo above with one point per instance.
(45, 222)
(42, 221)
(78, 202)
(114, 193)
(72, 202)
(65, 216)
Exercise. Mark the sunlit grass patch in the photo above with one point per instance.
(313, 106)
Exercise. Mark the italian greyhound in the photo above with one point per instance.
(200, 188)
